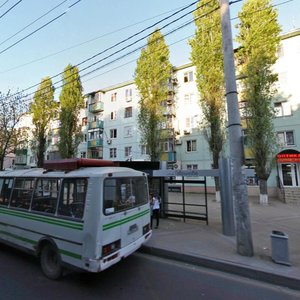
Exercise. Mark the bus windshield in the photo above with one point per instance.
(124, 193)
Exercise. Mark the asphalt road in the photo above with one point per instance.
(138, 277)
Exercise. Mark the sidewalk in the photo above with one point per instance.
(195, 242)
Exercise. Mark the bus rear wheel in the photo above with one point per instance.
(51, 262)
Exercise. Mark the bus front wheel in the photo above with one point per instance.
(50, 261)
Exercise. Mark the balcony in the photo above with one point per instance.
(95, 124)
(95, 143)
(168, 156)
(96, 107)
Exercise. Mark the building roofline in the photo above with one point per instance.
(117, 86)
(284, 36)
(290, 34)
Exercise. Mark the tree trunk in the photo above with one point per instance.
(41, 152)
(263, 191)
(1, 162)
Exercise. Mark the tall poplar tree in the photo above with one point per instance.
(207, 56)
(151, 77)
(12, 108)
(259, 38)
(71, 101)
(42, 110)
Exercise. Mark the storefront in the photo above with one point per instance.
(288, 163)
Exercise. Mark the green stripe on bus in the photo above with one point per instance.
(48, 220)
(34, 243)
(20, 238)
(70, 254)
(125, 220)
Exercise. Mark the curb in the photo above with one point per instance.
(225, 266)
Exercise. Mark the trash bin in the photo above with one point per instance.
(280, 251)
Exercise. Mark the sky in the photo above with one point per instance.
(94, 31)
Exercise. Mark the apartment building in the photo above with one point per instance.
(186, 146)
(110, 124)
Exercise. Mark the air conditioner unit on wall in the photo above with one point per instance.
(178, 142)
(187, 131)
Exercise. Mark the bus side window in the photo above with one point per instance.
(72, 198)
(45, 195)
(22, 193)
(5, 188)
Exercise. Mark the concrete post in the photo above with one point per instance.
(243, 224)
(227, 205)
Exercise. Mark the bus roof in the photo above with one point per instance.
(82, 172)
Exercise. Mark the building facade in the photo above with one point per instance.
(110, 124)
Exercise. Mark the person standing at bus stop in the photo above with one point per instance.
(155, 202)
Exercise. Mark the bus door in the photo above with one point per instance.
(125, 213)
(134, 195)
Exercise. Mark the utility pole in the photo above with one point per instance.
(240, 195)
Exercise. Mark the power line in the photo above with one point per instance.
(45, 14)
(128, 53)
(4, 3)
(10, 8)
(38, 29)
(92, 71)
(88, 41)
(117, 44)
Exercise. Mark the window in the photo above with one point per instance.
(280, 51)
(188, 76)
(97, 153)
(165, 146)
(113, 97)
(84, 121)
(128, 112)
(113, 133)
(192, 167)
(188, 122)
(128, 151)
(282, 80)
(45, 195)
(285, 138)
(124, 193)
(95, 135)
(191, 145)
(113, 115)
(72, 198)
(22, 192)
(5, 188)
(128, 131)
(189, 99)
(128, 95)
(144, 150)
(282, 109)
(83, 154)
(112, 152)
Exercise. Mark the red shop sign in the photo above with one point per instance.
(291, 157)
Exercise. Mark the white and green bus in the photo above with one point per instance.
(84, 213)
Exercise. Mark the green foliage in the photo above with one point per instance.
(71, 101)
(207, 56)
(42, 110)
(12, 108)
(259, 40)
(151, 77)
